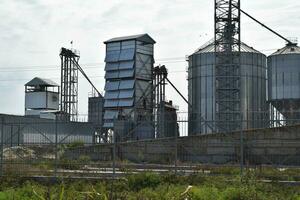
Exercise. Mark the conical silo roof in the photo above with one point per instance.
(209, 47)
(288, 49)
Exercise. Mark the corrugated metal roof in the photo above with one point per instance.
(210, 47)
(37, 81)
(141, 37)
(289, 49)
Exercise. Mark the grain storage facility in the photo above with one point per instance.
(284, 84)
(202, 90)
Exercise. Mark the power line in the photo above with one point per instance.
(58, 78)
(87, 65)
(57, 68)
(95, 65)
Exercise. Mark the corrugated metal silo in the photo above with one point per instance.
(284, 82)
(201, 87)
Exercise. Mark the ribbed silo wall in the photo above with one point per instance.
(201, 88)
(284, 84)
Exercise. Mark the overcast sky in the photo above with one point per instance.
(33, 31)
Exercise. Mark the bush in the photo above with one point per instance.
(242, 193)
(75, 144)
(204, 193)
(143, 180)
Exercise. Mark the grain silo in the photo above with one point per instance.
(284, 83)
(202, 90)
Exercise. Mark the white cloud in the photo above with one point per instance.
(32, 32)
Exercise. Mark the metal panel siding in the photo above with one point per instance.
(134, 64)
(111, 95)
(143, 66)
(126, 65)
(39, 131)
(112, 56)
(111, 114)
(127, 54)
(126, 94)
(95, 111)
(110, 103)
(201, 86)
(284, 82)
(144, 48)
(111, 66)
(112, 74)
(53, 101)
(126, 73)
(32, 112)
(128, 44)
(125, 102)
(127, 84)
(36, 100)
(112, 85)
(114, 46)
(108, 125)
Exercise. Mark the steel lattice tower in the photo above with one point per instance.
(69, 83)
(227, 48)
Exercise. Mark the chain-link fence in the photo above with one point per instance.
(41, 147)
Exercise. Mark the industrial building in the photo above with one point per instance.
(167, 120)
(128, 83)
(95, 111)
(284, 85)
(202, 95)
(22, 130)
(43, 122)
(243, 109)
(41, 98)
(231, 87)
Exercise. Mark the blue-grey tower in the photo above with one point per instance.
(129, 83)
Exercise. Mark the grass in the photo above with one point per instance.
(149, 186)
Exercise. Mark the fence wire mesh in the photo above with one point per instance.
(41, 147)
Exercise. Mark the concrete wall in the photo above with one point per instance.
(276, 146)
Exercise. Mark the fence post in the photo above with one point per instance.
(56, 149)
(2, 143)
(242, 148)
(114, 152)
(176, 151)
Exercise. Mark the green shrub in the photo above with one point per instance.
(4, 195)
(84, 159)
(243, 193)
(76, 144)
(143, 180)
(203, 193)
